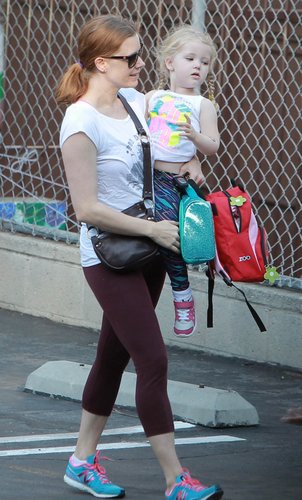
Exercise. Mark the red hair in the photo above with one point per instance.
(101, 36)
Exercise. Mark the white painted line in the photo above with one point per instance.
(38, 437)
(136, 429)
(208, 439)
(118, 446)
(70, 449)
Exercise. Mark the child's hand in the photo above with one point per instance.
(186, 129)
(193, 169)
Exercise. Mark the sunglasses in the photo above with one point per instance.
(131, 60)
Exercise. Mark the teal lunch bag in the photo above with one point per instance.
(196, 226)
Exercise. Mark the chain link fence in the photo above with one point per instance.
(257, 73)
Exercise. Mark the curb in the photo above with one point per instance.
(202, 405)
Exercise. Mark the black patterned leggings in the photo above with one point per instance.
(166, 208)
(130, 329)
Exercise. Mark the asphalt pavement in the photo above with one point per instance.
(38, 433)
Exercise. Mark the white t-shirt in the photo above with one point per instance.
(166, 110)
(119, 157)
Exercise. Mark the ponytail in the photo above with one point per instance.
(211, 90)
(73, 84)
(163, 81)
(101, 35)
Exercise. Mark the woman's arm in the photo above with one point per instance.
(206, 141)
(79, 157)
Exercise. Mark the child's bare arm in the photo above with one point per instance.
(147, 100)
(207, 141)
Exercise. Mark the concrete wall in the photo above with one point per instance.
(44, 278)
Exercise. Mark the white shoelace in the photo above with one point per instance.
(183, 314)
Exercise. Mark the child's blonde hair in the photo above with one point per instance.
(173, 42)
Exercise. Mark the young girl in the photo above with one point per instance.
(181, 122)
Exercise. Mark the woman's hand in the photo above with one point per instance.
(193, 169)
(165, 234)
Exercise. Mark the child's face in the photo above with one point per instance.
(190, 66)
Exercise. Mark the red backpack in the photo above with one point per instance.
(241, 246)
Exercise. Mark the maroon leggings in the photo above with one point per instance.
(130, 330)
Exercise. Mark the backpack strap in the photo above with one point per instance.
(211, 282)
(252, 310)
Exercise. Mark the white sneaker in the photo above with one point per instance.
(185, 322)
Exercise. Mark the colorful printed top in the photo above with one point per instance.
(166, 110)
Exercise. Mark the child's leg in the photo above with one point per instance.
(177, 271)
(166, 208)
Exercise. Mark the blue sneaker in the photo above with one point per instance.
(187, 488)
(92, 477)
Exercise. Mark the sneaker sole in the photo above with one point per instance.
(214, 496)
(184, 335)
(83, 487)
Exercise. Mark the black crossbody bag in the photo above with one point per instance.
(127, 253)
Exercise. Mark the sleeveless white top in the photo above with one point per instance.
(166, 110)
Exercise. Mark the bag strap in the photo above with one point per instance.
(211, 283)
(201, 191)
(148, 186)
(186, 185)
(253, 312)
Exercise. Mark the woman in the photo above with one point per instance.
(103, 161)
